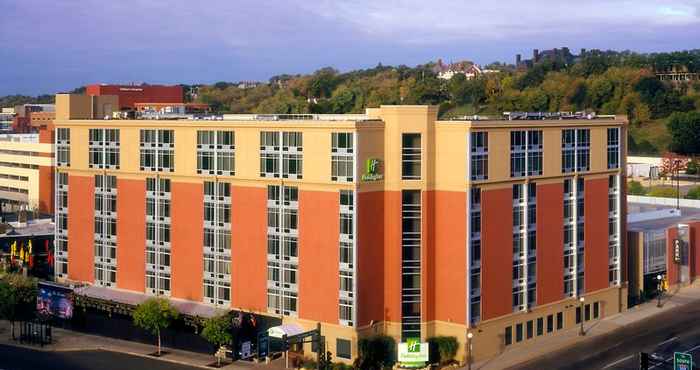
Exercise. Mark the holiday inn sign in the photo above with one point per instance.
(372, 170)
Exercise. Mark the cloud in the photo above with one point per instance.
(420, 21)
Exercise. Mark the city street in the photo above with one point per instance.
(18, 358)
(677, 330)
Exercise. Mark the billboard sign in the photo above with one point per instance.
(54, 300)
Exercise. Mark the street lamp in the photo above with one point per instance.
(470, 335)
(678, 183)
(659, 290)
(581, 300)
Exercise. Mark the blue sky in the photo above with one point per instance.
(48, 46)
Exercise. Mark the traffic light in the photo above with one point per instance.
(643, 361)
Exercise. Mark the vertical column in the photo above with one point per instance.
(187, 230)
(131, 234)
(81, 218)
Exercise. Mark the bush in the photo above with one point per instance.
(662, 192)
(692, 167)
(693, 193)
(376, 352)
(341, 366)
(635, 188)
(442, 349)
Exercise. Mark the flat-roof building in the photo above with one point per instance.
(26, 173)
(129, 95)
(389, 222)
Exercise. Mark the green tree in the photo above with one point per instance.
(217, 331)
(376, 352)
(693, 193)
(154, 315)
(692, 167)
(17, 298)
(635, 188)
(684, 129)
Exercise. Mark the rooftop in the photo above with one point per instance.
(650, 213)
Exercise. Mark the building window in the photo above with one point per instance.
(292, 146)
(613, 147)
(157, 150)
(346, 253)
(560, 320)
(282, 250)
(105, 230)
(342, 154)
(158, 248)
(583, 150)
(63, 147)
(540, 326)
(410, 156)
(410, 264)
(614, 230)
(61, 238)
(217, 243)
(524, 245)
(508, 336)
(216, 152)
(568, 150)
(479, 152)
(269, 154)
(475, 255)
(517, 153)
(342, 348)
(534, 152)
(103, 148)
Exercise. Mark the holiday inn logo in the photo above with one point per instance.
(372, 170)
(413, 345)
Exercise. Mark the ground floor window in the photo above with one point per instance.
(343, 348)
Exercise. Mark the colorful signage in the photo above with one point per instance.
(413, 353)
(54, 300)
(677, 250)
(372, 170)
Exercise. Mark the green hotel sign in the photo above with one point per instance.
(372, 170)
(413, 353)
(682, 361)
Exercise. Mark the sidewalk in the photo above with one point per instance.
(543, 345)
(67, 340)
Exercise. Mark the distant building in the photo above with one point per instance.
(467, 68)
(677, 74)
(538, 56)
(248, 84)
(26, 173)
(24, 114)
(662, 240)
(129, 95)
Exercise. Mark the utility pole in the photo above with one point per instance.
(470, 335)
(659, 289)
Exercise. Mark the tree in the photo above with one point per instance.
(217, 331)
(17, 298)
(376, 352)
(693, 193)
(154, 315)
(635, 188)
(684, 129)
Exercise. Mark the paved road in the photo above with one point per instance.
(17, 358)
(677, 330)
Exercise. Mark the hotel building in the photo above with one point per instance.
(388, 222)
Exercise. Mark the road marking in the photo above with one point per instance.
(671, 358)
(618, 361)
(667, 340)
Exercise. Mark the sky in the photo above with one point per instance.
(49, 46)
